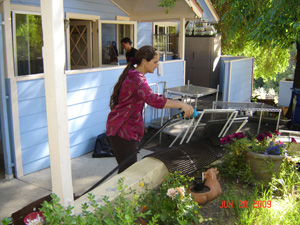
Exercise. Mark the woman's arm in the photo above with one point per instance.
(188, 109)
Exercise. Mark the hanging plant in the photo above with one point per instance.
(168, 4)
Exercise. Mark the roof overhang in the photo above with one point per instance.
(209, 13)
(148, 10)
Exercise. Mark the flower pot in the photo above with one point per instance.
(201, 197)
(35, 217)
(211, 188)
(264, 166)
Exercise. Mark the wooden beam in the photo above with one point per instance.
(56, 99)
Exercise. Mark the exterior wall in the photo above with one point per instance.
(33, 124)
(88, 93)
(144, 34)
(26, 2)
(236, 75)
(105, 8)
(88, 96)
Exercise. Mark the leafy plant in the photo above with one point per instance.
(171, 203)
(260, 29)
(168, 4)
(6, 221)
(288, 180)
(118, 211)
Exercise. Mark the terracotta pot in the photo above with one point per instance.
(200, 197)
(264, 166)
(33, 216)
(211, 190)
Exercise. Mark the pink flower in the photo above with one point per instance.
(172, 193)
(279, 142)
(293, 140)
(276, 132)
(180, 190)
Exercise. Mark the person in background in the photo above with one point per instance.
(130, 51)
(125, 125)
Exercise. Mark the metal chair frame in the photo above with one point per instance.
(196, 121)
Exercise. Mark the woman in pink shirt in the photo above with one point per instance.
(125, 125)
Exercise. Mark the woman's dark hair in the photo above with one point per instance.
(146, 52)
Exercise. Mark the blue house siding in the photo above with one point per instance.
(33, 124)
(26, 2)
(144, 34)
(105, 8)
(88, 96)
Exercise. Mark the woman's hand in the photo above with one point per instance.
(188, 110)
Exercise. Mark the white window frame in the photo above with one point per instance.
(29, 11)
(94, 18)
(123, 18)
(165, 25)
(116, 22)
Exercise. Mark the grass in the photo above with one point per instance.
(275, 204)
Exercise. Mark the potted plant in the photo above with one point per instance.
(171, 203)
(264, 153)
(233, 162)
(34, 218)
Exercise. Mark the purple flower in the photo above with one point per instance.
(260, 137)
(238, 135)
(268, 135)
(226, 140)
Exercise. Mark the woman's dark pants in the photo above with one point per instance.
(122, 149)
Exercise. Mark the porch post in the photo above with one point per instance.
(56, 99)
(181, 49)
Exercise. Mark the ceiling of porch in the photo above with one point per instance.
(148, 10)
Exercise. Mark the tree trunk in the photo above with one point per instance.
(296, 83)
